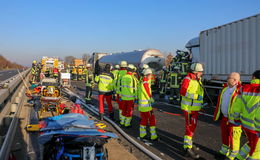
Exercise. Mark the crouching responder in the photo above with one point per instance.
(89, 83)
(230, 133)
(145, 101)
(74, 73)
(245, 110)
(128, 94)
(192, 99)
(105, 89)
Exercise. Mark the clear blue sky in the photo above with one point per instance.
(30, 29)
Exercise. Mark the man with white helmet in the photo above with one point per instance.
(121, 73)
(192, 99)
(145, 101)
(128, 95)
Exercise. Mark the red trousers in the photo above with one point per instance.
(127, 108)
(191, 120)
(252, 139)
(147, 117)
(119, 102)
(108, 98)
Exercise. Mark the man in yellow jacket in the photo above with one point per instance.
(128, 94)
(246, 111)
(105, 88)
(145, 101)
(230, 133)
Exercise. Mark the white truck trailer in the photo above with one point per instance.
(233, 47)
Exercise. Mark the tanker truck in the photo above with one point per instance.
(153, 57)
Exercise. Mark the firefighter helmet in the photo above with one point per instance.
(117, 66)
(196, 67)
(145, 66)
(147, 71)
(123, 64)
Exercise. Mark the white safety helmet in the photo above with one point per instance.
(131, 66)
(196, 67)
(123, 64)
(117, 66)
(88, 65)
(147, 71)
(145, 66)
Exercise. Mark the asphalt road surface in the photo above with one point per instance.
(7, 74)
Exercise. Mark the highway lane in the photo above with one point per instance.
(7, 74)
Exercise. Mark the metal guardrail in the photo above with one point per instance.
(14, 93)
(131, 140)
(9, 85)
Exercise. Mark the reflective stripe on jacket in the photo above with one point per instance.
(219, 103)
(191, 89)
(247, 106)
(120, 74)
(105, 82)
(129, 87)
(144, 94)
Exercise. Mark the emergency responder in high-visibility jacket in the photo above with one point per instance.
(115, 71)
(174, 80)
(230, 133)
(129, 85)
(121, 73)
(80, 73)
(88, 82)
(105, 88)
(246, 111)
(145, 101)
(74, 73)
(192, 99)
(162, 84)
(34, 71)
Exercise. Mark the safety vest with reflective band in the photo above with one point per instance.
(88, 77)
(190, 91)
(247, 106)
(144, 99)
(33, 70)
(105, 82)
(80, 71)
(115, 73)
(219, 103)
(74, 70)
(174, 80)
(120, 74)
(129, 85)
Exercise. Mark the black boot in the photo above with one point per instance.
(101, 116)
(111, 116)
(189, 152)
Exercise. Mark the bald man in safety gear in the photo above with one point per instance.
(230, 133)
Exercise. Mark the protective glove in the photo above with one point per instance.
(120, 99)
(200, 98)
(136, 101)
